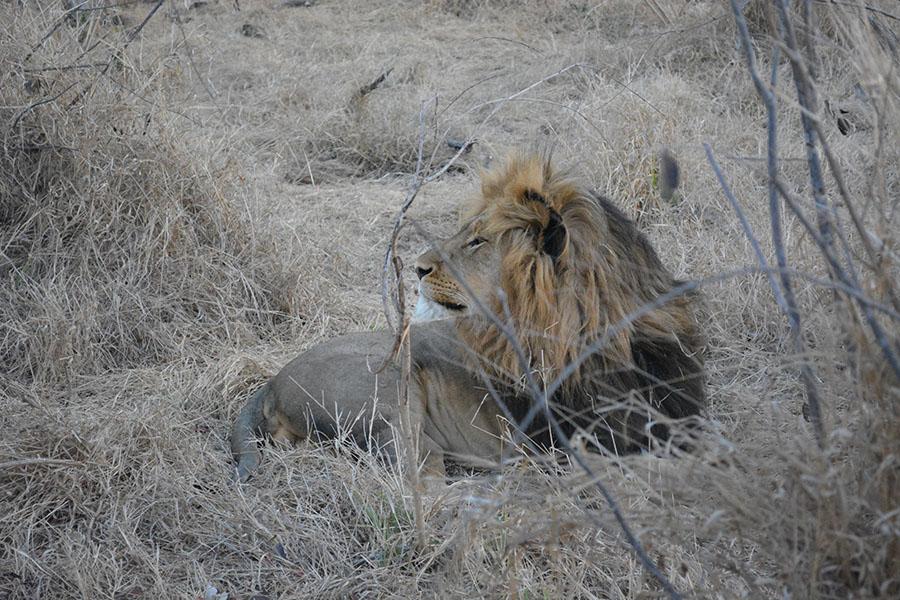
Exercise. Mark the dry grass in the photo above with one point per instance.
(172, 231)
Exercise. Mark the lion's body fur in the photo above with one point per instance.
(572, 270)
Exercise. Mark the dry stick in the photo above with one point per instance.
(541, 404)
(617, 512)
(128, 39)
(806, 99)
(809, 40)
(190, 55)
(62, 19)
(849, 276)
(626, 322)
(881, 337)
(814, 122)
(594, 478)
(150, 102)
(855, 293)
(784, 296)
(503, 39)
(500, 103)
(412, 439)
(390, 257)
(401, 339)
(541, 399)
(789, 309)
(837, 174)
(133, 34)
(871, 9)
(371, 87)
(65, 68)
(34, 105)
(26, 462)
(466, 89)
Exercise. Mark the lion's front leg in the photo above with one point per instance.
(423, 456)
(432, 470)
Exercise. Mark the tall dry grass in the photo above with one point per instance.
(151, 277)
(118, 249)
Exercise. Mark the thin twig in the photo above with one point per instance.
(806, 99)
(785, 294)
(837, 174)
(116, 51)
(27, 462)
(503, 39)
(789, 309)
(498, 105)
(540, 403)
(34, 105)
(390, 256)
(57, 25)
(402, 343)
(65, 68)
(203, 80)
(881, 338)
(133, 34)
(371, 87)
(871, 9)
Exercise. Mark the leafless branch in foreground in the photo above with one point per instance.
(392, 272)
(788, 307)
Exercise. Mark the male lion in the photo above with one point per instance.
(562, 268)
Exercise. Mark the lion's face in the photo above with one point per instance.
(512, 236)
(565, 272)
(459, 273)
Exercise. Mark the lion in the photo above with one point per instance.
(541, 281)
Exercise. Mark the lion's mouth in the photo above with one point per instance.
(430, 309)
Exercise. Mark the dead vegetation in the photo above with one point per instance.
(183, 207)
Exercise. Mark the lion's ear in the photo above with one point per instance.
(555, 236)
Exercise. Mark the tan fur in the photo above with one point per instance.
(561, 307)
(566, 266)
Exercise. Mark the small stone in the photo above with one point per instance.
(252, 31)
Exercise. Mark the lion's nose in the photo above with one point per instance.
(423, 272)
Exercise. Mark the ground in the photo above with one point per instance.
(220, 197)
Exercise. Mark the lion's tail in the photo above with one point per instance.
(245, 432)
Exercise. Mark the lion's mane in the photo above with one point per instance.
(563, 303)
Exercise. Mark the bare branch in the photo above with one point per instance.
(807, 101)
(881, 338)
(789, 309)
(784, 295)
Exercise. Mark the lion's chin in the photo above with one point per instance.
(429, 310)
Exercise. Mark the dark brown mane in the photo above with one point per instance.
(569, 295)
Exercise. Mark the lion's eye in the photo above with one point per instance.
(475, 242)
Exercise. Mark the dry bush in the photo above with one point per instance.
(117, 248)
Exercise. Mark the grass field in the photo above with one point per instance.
(193, 192)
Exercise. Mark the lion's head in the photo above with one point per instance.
(564, 266)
